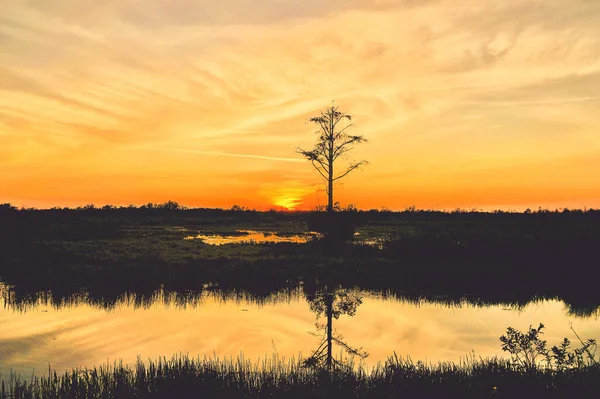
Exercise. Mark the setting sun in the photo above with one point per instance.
(289, 195)
(287, 202)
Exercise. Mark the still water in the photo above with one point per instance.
(264, 237)
(251, 237)
(81, 335)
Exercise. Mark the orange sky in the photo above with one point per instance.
(465, 103)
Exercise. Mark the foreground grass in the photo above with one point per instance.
(182, 377)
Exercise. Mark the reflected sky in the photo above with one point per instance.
(251, 236)
(263, 237)
(82, 335)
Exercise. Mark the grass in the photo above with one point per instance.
(492, 257)
(182, 377)
(260, 276)
(106, 279)
(479, 257)
(29, 238)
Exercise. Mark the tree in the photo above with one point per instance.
(333, 143)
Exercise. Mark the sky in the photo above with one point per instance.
(464, 103)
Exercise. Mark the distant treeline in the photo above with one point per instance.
(171, 207)
(91, 222)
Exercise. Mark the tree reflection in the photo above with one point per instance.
(332, 302)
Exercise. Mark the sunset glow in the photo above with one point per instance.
(286, 202)
(464, 103)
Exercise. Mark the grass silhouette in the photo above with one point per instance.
(446, 257)
(183, 377)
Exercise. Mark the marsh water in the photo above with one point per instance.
(264, 237)
(80, 333)
(251, 237)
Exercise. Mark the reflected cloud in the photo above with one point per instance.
(81, 334)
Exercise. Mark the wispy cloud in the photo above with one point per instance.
(82, 86)
(228, 154)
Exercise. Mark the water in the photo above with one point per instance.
(253, 237)
(79, 334)
(263, 237)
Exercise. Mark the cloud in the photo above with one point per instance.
(226, 154)
(434, 85)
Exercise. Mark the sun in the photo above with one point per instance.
(288, 202)
(289, 195)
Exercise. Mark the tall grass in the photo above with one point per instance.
(183, 377)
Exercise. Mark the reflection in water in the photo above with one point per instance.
(79, 334)
(253, 237)
(332, 303)
(377, 242)
(142, 300)
(263, 237)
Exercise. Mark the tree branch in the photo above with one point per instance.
(350, 169)
(339, 134)
(319, 170)
(351, 139)
(342, 151)
(353, 351)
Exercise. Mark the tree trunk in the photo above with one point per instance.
(330, 190)
(330, 180)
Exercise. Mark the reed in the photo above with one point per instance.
(183, 377)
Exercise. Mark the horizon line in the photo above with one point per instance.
(183, 207)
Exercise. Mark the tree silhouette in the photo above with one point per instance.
(332, 303)
(333, 143)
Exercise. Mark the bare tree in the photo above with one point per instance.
(332, 144)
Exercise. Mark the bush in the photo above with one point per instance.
(526, 348)
(337, 226)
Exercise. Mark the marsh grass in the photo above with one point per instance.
(493, 257)
(183, 377)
